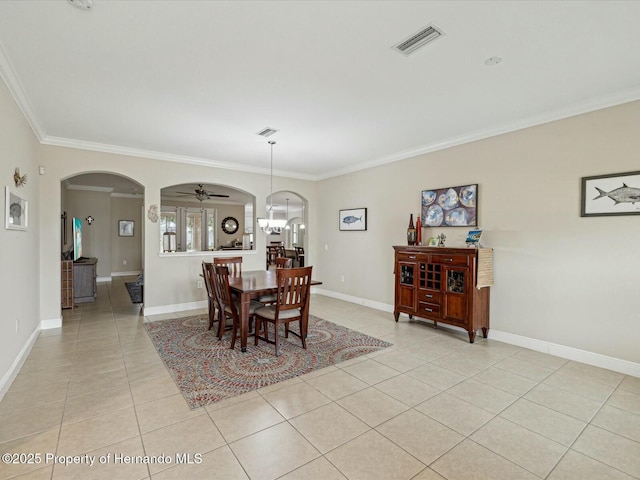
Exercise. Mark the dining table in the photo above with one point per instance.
(253, 284)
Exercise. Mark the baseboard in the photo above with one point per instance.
(570, 353)
(15, 367)
(178, 307)
(51, 323)
(125, 274)
(103, 279)
(349, 298)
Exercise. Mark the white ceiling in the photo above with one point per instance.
(194, 81)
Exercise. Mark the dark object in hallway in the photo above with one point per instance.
(135, 291)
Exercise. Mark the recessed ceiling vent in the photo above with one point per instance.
(267, 132)
(419, 39)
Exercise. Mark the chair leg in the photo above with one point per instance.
(303, 336)
(257, 330)
(221, 324)
(234, 334)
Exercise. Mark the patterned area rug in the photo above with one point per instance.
(207, 370)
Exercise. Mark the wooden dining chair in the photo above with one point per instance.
(300, 256)
(229, 307)
(292, 304)
(281, 262)
(207, 273)
(234, 264)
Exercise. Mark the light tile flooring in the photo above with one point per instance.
(430, 407)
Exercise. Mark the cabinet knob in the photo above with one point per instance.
(412, 256)
(429, 296)
(448, 259)
(429, 309)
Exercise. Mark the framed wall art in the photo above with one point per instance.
(16, 212)
(450, 207)
(613, 194)
(353, 219)
(125, 228)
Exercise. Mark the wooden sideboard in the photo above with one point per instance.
(441, 285)
(66, 283)
(84, 280)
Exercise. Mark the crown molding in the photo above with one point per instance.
(579, 108)
(7, 73)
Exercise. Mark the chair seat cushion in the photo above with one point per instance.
(268, 298)
(270, 313)
(253, 306)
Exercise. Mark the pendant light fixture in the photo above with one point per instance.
(269, 224)
(302, 224)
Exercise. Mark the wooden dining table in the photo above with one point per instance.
(250, 285)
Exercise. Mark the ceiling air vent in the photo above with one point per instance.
(267, 132)
(419, 39)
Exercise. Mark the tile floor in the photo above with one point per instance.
(430, 407)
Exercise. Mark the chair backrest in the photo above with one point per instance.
(234, 264)
(221, 286)
(293, 288)
(299, 250)
(207, 273)
(282, 262)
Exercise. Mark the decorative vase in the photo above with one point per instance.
(418, 231)
(411, 232)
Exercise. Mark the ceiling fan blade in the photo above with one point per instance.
(186, 193)
(217, 195)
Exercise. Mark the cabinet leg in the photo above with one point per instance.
(410, 317)
(485, 332)
(472, 336)
(396, 315)
(435, 324)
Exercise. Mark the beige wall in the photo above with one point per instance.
(559, 278)
(126, 249)
(19, 250)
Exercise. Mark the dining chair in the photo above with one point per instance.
(234, 264)
(207, 273)
(229, 307)
(292, 304)
(281, 262)
(300, 256)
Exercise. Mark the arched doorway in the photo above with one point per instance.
(290, 207)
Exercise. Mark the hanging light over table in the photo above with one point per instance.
(269, 224)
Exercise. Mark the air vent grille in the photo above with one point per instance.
(267, 132)
(419, 39)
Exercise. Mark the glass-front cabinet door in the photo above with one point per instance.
(406, 289)
(455, 300)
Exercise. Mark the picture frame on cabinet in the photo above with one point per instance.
(16, 213)
(353, 219)
(612, 194)
(433, 242)
(450, 206)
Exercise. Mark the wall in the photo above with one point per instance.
(19, 255)
(126, 249)
(171, 279)
(559, 278)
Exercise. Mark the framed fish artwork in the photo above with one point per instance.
(354, 219)
(450, 207)
(613, 194)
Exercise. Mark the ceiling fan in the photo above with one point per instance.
(201, 194)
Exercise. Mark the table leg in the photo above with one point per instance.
(245, 302)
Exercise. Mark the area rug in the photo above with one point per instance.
(135, 291)
(206, 370)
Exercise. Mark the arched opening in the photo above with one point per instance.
(101, 233)
(196, 217)
(290, 207)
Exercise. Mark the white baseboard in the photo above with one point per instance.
(125, 274)
(103, 279)
(51, 323)
(385, 307)
(570, 353)
(15, 367)
(563, 351)
(178, 307)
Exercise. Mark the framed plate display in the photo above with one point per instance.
(450, 206)
(16, 215)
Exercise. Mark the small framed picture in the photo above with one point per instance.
(125, 228)
(353, 219)
(433, 242)
(16, 215)
(473, 237)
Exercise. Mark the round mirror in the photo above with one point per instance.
(229, 225)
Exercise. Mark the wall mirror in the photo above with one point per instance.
(206, 217)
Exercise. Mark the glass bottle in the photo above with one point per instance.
(418, 231)
(411, 232)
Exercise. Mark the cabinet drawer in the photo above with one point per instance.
(428, 296)
(410, 257)
(428, 309)
(450, 259)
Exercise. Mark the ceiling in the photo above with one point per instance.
(194, 81)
